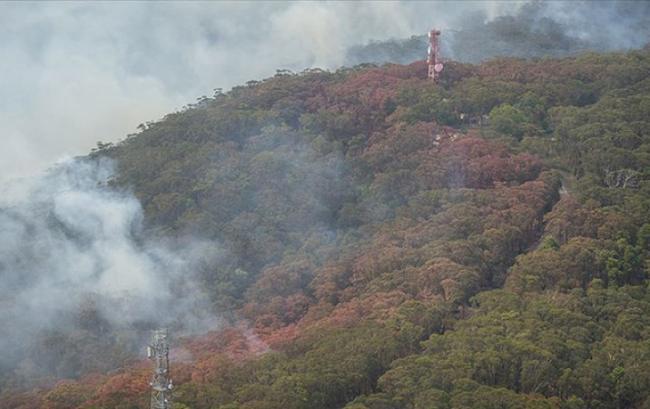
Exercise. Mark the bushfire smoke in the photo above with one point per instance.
(73, 258)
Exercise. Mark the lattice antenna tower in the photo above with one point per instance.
(161, 384)
(433, 58)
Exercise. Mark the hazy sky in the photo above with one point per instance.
(72, 74)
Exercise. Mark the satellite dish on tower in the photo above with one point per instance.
(438, 67)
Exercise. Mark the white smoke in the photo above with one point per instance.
(607, 25)
(74, 73)
(67, 237)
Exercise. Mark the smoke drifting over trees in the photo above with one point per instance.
(345, 215)
(83, 72)
(84, 271)
(78, 274)
(138, 61)
(535, 29)
(385, 251)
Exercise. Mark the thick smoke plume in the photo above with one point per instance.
(80, 72)
(94, 71)
(74, 262)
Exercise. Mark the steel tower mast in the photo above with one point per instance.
(161, 384)
(433, 56)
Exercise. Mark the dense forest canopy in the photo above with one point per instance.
(387, 242)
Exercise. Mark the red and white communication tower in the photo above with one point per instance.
(433, 59)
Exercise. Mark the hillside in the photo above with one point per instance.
(386, 242)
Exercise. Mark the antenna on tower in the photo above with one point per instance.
(161, 384)
(433, 58)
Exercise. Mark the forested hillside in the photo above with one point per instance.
(391, 243)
